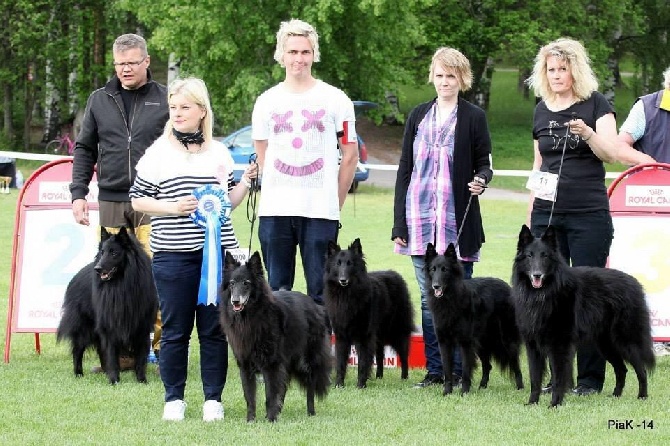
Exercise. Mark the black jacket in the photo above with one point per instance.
(472, 155)
(114, 143)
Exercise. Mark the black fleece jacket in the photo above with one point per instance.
(115, 143)
(472, 156)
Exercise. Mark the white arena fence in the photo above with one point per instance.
(384, 167)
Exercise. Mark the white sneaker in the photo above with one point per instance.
(212, 411)
(174, 410)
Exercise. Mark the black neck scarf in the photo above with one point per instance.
(188, 138)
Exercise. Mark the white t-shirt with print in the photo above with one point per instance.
(302, 158)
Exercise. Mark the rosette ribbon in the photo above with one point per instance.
(213, 211)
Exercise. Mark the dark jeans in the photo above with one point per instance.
(279, 237)
(430, 345)
(177, 277)
(584, 239)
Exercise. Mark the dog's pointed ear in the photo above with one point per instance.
(549, 236)
(356, 246)
(230, 262)
(104, 234)
(430, 252)
(123, 233)
(451, 251)
(525, 238)
(333, 248)
(255, 264)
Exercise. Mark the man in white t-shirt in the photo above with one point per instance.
(297, 127)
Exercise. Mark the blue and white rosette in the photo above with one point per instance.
(213, 211)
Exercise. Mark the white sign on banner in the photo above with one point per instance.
(640, 249)
(54, 250)
(655, 196)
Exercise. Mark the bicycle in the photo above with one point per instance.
(62, 145)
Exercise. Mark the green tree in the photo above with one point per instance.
(647, 41)
(365, 45)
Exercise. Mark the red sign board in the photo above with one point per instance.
(640, 208)
(49, 247)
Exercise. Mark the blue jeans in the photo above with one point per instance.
(279, 237)
(177, 277)
(584, 239)
(430, 344)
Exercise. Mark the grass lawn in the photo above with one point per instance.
(44, 404)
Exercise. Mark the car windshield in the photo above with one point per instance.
(243, 138)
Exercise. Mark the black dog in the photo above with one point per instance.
(476, 314)
(282, 335)
(558, 306)
(111, 304)
(368, 310)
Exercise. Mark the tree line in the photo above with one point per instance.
(55, 52)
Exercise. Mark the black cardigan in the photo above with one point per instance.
(472, 156)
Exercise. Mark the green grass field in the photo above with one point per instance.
(44, 404)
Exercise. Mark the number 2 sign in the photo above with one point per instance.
(49, 249)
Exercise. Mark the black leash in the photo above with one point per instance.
(560, 167)
(252, 201)
(465, 216)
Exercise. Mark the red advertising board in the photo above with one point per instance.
(416, 359)
(49, 247)
(640, 208)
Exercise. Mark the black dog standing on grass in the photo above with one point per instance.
(368, 310)
(476, 314)
(282, 335)
(558, 306)
(111, 304)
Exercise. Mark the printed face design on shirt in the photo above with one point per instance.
(281, 122)
(309, 138)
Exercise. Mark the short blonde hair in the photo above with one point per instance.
(452, 58)
(194, 90)
(584, 81)
(296, 27)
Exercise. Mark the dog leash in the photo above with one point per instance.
(465, 215)
(251, 201)
(560, 167)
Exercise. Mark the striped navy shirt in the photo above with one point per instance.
(167, 174)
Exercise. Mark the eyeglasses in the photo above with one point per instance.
(131, 65)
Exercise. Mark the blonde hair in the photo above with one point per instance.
(194, 90)
(296, 27)
(584, 81)
(451, 58)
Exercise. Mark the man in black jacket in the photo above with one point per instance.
(121, 120)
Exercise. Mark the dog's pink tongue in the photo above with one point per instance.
(438, 292)
(536, 282)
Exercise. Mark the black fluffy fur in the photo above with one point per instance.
(476, 314)
(282, 335)
(559, 306)
(368, 310)
(111, 304)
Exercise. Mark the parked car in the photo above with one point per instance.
(241, 148)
